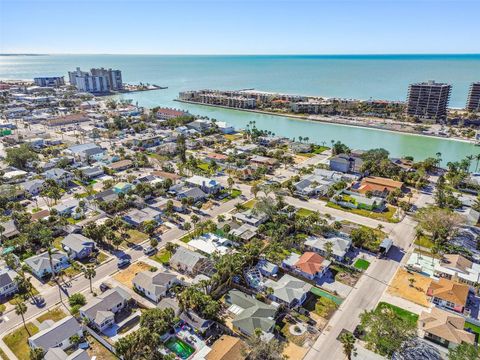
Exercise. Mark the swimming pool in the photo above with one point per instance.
(179, 347)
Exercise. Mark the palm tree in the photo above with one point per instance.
(348, 341)
(21, 309)
(89, 273)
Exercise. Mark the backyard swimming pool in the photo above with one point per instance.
(179, 347)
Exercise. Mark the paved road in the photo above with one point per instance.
(366, 293)
(10, 320)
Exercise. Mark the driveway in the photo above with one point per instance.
(328, 283)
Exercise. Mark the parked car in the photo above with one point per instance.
(123, 262)
(149, 250)
(104, 287)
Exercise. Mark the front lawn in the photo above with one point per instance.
(382, 216)
(17, 341)
(325, 307)
(362, 264)
(424, 241)
(249, 204)
(401, 313)
(53, 314)
(136, 237)
(163, 256)
(98, 351)
(304, 212)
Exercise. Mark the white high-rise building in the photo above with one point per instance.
(97, 80)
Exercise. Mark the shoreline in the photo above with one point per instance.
(331, 122)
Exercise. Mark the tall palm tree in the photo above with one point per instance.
(89, 273)
(21, 309)
(348, 341)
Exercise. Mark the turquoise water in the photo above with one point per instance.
(179, 347)
(363, 77)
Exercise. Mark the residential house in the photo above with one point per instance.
(310, 265)
(267, 268)
(167, 113)
(224, 127)
(197, 322)
(9, 229)
(66, 207)
(33, 187)
(8, 285)
(211, 243)
(458, 268)
(251, 218)
(60, 176)
(191, 193)
(353, 200)
(40, 264)
(91, 172)
(209, 186)
(227, 348)
(264, 161)
(136, 217)
(448, 294)
(154, 285)
(122, 187)
(162, 204)
(340, 245)
(59, 354)
(245, 232)
(56, 334)
(444, 328)
(86, 152)
(101, 310)
(78, 246)
(346, 163)
(288, 290)
(187, 261)
(250, 314)
(106, 196)
(218, 158)
(378, 186)
(121, 165)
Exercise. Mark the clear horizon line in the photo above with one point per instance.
(242, 54)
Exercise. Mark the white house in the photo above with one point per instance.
(154, 285)
(207, 185)
(8, 285)
(40, 264)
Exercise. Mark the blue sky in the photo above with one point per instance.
(239, 27)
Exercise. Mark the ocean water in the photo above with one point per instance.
(356, 76)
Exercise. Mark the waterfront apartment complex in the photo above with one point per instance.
(97, 81)
(49, 81)
(473, 101)
(428, 100)
(233, 99)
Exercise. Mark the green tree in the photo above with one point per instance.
(441, 224)
(328, 250)
(348, 341)
(36, 354)
(385, 330)
(21, 309)
(77, 299)
(89, 273)
(463, 351)
(263, 350)
(20, 156)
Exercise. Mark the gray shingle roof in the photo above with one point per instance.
(55, 334)
(186, 258)
(288, 288)
(154, 282)
(255, 314)
(77, 242)
(39, 263)
(105, 302)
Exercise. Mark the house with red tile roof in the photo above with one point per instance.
(310, 265)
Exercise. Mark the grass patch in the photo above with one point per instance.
(136, 236)
(163, 256)
(362, 264)
(2, 308)
(424, 241)
(474, 329)
(232, 137)
(3, 356)
(250, 204)
(383, 216)
(401, 313)
(57, 243)
(325, 307)
(17, 341)
(204, 166)
(54, 314)
(304, 212)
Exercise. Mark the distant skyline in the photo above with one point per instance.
(246, 27)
